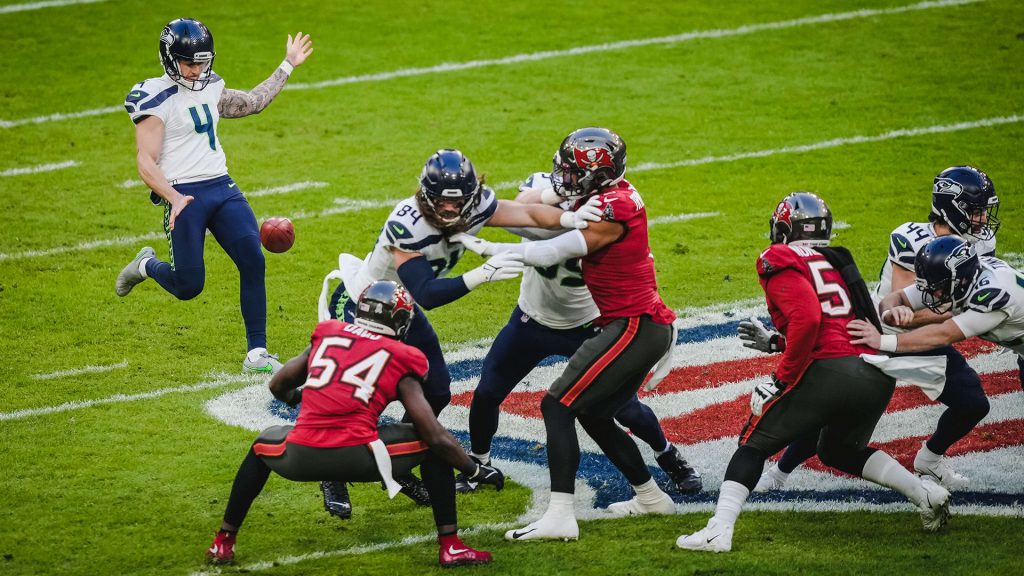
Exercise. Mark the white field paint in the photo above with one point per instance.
(350, 205)
(40, 168)
(681, 217)
(287, 188)
(131, 184)
(217, 381)
(39, 5)
(79, 371)
(549, 54)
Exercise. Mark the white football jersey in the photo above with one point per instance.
(191, 151)
(994, 308)
(555, 296)
(407, 230)
(904, 244)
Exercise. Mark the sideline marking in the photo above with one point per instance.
(549, 54)
(40, 168)
(78, 371)
(11, 8)
(350, 205)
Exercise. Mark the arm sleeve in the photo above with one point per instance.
(914, 297)
(549, 252)
(974, 323)
(793, 295)
(430, 292)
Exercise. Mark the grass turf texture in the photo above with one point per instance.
(139, 487)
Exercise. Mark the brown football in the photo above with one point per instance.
(277, 234)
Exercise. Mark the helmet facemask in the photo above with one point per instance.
(945, 284)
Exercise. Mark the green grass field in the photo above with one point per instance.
(139, 486)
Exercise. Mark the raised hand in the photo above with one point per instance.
(298, 49)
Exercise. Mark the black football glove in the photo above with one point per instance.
(487, 474)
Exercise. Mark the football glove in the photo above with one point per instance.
(473, 244)
(755, 336)
(487, 474)
(583, 216)
(763, 393)
(502, 266)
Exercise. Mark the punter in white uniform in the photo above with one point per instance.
(553, 318)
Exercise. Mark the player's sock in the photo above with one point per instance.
(926, 456)
(882, 469)
(142, 267)
(773, 479)
(668, 446)
(649, 499)
(484, 458)
(731, 497)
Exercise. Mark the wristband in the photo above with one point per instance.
(773, 343)
(888, 343)
(287, 67)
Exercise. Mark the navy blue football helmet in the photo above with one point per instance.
(801, 217)
(965, 199)
(191, 40)
(385, 307)
(449, 190)
(587, 161)
(946, 267)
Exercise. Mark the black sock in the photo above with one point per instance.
(249, 481)
(618, 446)
(439, 479)
(563, 445)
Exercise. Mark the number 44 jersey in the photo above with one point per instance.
(816, 290)
(353, 375)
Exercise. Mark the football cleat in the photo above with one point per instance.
(458, 554)
(935, 507)
(772, 479)
(130, 275)
(547, 528)
(715, 537)
(222, 551)
(942, 473)
(463, 485)
(259, 361)
(414, 488)
(336, 499)
(633, 507)
(684, 478)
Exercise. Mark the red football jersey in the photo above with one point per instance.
(810, 304)
(352, 376)
(621, 276)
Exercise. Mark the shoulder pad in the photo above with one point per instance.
(140, 100)
(396, 230)
(484, 209)
(776, 258)
(988, 300)
(621, 203)
(536, 180)
(901, 250)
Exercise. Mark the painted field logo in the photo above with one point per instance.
(703, 404)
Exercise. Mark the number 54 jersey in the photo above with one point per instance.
(353, 375)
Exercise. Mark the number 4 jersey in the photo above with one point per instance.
(815, 291)
(353, 375)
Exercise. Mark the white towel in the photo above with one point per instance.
(348, 268)
(380, 454)
(926, 372)
(662, 368)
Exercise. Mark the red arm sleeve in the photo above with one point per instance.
(794, 296)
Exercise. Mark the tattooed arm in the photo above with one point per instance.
(236, 103)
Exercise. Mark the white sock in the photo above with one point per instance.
(926, 456)
(649, 493)
(777, 473)
(668, 446)
(482, 458)
(142, 267)
(254, 354)
(882, 469)
(561, 504)
(731, 497)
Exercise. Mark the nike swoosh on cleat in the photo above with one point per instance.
(454, 552)
(518, 535)
(713, 537)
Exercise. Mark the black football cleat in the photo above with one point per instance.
(336, 499)
(414, 488)
(684, 478)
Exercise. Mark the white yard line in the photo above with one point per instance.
(11, 8)
(40, 168)
(218, 381)
(287, 188)
(79, 371)
(681, 217)
(549, 54)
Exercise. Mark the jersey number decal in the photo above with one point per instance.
(206, 128)
(573, 279)
(826, 290)
(362, 375)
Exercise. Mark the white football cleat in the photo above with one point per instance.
(547, 528)
(633, 507)
(259, 361)
(942, 473)
(935, 508)
(772, 479)
(130, 275)
(715, 537)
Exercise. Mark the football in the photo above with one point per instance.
(277, 234)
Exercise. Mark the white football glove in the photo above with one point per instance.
(755, 336)
(583, 216)
(473, 244)
(504, 266)
(762, 394)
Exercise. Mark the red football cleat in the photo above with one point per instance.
(454, 553)
(222, 550)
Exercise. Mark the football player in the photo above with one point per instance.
(181, 159)
(554, 317)
(821, 385)
(606, 371)
(344, 380)
(415, 249)
(983, 295)
(964, 203)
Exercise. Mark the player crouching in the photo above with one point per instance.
(349, 374)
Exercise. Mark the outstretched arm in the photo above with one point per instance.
(237, 103)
